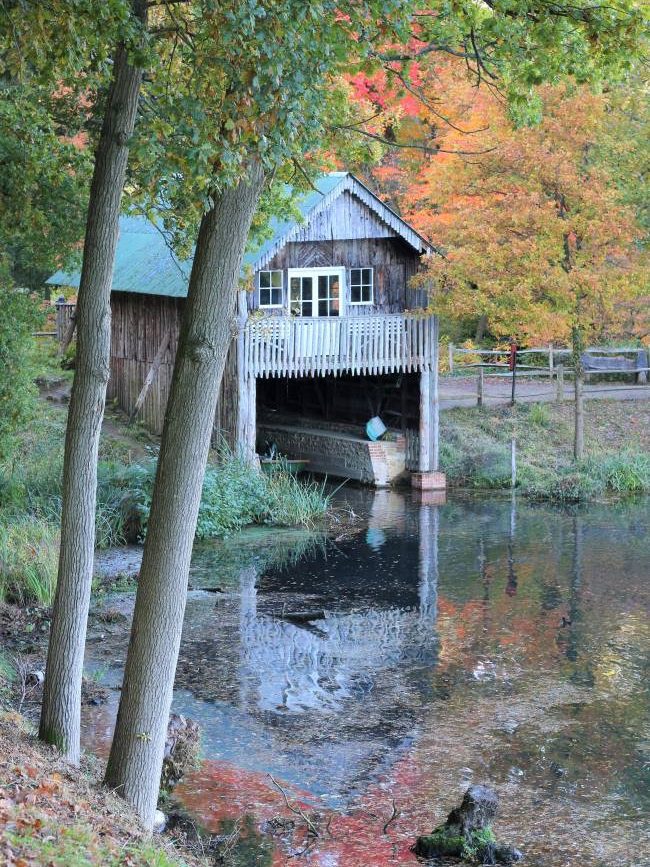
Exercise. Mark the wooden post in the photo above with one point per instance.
(246, 433)
(435, 433)
(551, 359)
(151, 375)
(451, 357)
(426, 422)
(479, 387)
(513, 462)
(559, 376)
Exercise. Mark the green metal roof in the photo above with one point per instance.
(145, 263)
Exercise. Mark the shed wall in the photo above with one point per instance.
(138, 325)
(393, 261)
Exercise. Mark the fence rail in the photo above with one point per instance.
(557, 357)
(375, 344)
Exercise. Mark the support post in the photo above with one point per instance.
(246, 433)
(479, 387)
(428, 478)
(551, 359)
(513, 462)
(451, 357)
(426, 423)
(435, 396)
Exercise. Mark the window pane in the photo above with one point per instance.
(334, 287)
(322, 308)
(276, 296)
(334, 307)
(355, 276)
(366, 293)
(355, 294)
(276, 278)
(295, 288)
(306, 288)
(367, 276)
(306, 308)
(264, 279)
(265, 297)
(322, 286)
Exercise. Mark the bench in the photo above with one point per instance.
(617, 364)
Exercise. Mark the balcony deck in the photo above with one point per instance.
(360, 345)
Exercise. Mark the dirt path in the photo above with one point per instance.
(461, 391)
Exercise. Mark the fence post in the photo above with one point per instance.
(479, 388)
(513, 462)
(559, 377)
(551, 360)
(451, 357)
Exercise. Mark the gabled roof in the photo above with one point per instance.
(145, 263)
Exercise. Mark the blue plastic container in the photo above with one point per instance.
(375, 428)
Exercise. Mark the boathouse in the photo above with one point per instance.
(329, 335)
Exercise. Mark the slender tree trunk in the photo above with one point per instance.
(578, 371)
(60, 715)
(207, 329)
(579, 438)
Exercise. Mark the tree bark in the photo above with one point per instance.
(208, 327)
(579, 439)
(60, 714)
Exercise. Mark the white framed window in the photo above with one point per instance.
(316, 291)
(270, 288)
(361, 286)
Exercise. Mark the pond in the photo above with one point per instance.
(376, 675)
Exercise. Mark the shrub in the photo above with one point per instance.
(19, 316)
(28, 561)
(625, 473)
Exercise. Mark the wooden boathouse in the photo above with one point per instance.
(329, 334)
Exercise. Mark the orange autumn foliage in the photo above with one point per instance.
(532, 226)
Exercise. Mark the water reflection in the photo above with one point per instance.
(478, 640)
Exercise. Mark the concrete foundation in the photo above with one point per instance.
(341, 455)
(433, 481)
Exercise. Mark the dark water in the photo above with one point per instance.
(475, 641)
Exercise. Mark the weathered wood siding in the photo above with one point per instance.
(347, 218)
(139, 324)
(393, 261)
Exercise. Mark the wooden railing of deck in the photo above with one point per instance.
(375, 344)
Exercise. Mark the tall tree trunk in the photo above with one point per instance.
(207, 329)
(60, 714)
(579, 372)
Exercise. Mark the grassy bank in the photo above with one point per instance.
(475, 449)
(53, 814)
(234, 495)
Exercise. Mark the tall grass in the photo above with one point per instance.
(28, 561)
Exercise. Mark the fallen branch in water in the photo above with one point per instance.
(394, 816)
(297, 811)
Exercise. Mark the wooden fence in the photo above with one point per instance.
(556, 357)
(376, 344)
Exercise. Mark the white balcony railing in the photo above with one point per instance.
(375, 344)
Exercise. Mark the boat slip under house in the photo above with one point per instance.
(329, 335)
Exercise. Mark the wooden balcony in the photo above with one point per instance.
(358, 345)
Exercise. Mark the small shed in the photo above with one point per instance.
(329, 333)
